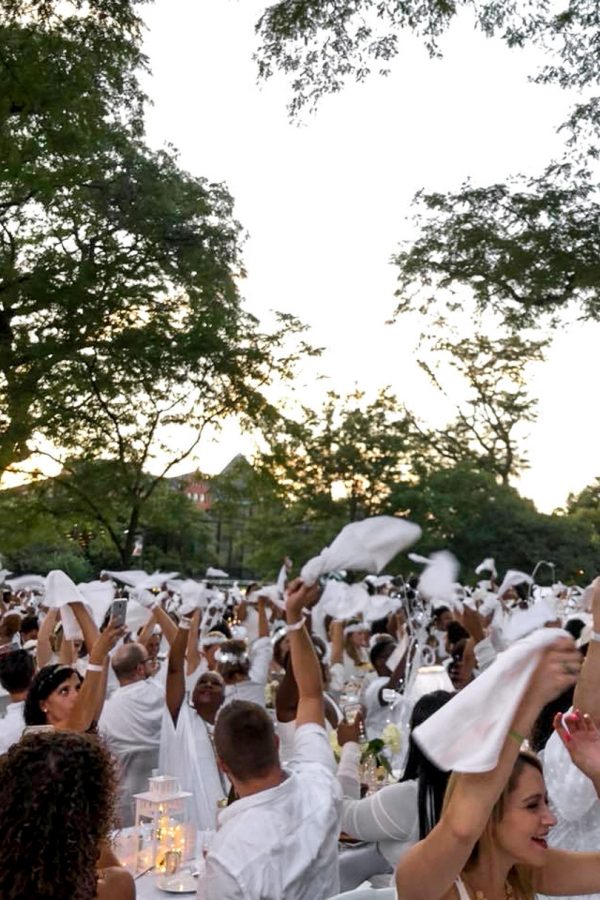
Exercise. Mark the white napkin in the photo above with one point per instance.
(524, 621)
(468, 733)
(366, 546)
(156, 580)
(512, 579)
(216, 573)
(133, 577)
(193, 596)
(343, 601)
(488, 565)
(98, 596)
(380, 605)
(22, 582)
(439, 577)
(60, 591)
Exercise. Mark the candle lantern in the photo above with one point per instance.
(163, 824)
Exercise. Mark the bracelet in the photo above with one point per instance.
(92, 667)
(185, 624)
(297, 625)
(595, 636)
(307, 613)
(516, 736)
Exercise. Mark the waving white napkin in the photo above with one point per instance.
(132, 577)
(512, 579)
(60, 592)
(488, 565)
(468, 733)
(365, 546)
(438, 581)
(343, 601)
(524, 621)
(216, 573)
(98, 596)
(24, 582)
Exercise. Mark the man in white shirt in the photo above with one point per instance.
(131, 722)
(278, 841)
(16, 674)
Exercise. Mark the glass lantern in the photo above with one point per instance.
(162, 822)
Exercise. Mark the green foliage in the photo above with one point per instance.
(523, 250)
(526, 249)
(471, 514)
(119, 309)
(83, 516)
(322, 45)
(343, 456)
(485, 430)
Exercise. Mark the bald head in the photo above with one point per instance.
(129, 663)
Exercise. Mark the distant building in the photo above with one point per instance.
(228, 518)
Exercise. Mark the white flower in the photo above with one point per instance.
(391, 737)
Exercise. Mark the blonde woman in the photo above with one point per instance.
(491, 840)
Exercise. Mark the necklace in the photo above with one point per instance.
(479, 895)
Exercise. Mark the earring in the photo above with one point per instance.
(44, 709)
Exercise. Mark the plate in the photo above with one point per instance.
(181, 883)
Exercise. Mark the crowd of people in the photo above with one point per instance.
(450, 731)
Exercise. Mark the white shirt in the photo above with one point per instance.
(12, 725)
(390, 816)
(131, 718)
(131, 724)
(281, 843)
(253, 689)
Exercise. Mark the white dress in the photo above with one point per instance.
(574, 802)
(186, 751)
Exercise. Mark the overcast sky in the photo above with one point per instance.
(325, 203)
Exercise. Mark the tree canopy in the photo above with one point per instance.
(526, 249)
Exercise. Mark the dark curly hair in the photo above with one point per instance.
(57, 795)
(44, 683)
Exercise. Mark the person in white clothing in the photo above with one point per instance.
(131, 722)
(186, 746)
(279, 839)
(246, 672)
(16, 674)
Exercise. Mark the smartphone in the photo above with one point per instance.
(118, 611)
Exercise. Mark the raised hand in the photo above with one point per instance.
(582, 741)
(106, 641)
(557, 670)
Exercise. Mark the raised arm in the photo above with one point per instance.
(168, 626)
(192, 653)
(430, 868)
(587, 692)
(175, 671)
(91, 694)
(307, 671)
(263, 622)
(44, 646)
(89, 629)
(286, 700)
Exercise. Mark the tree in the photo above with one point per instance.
(79, 521)
(485, 431)
(527, 249)
(321, 45)
(468, 512)
(119, 306)
(342, 458)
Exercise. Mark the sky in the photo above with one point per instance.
(325, 203)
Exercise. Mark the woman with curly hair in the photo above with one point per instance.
(57, 793)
